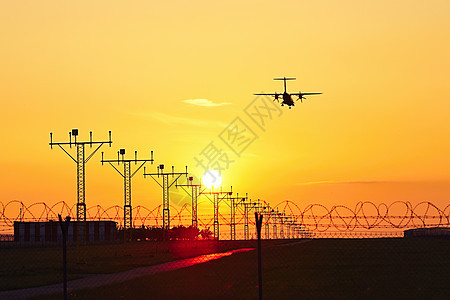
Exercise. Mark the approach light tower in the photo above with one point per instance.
(127, 176)
(233, 214)
(81, 161)
(248, 206)
(284, 220)
(216, 200)
(289, 221)
(266, 210)
(166, 184)
(277, 215)
(196, 190)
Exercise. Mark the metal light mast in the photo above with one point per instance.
(166, 184)
(216, 201)
(277, 214)
(282, 226)
(289, 223)
(285, 220)
(81, 161)
(233, 215)
(127, 176)
(196, 191)
(294, 229)
(194, 196)
(268, 212)
(248, 206)
(266, 226)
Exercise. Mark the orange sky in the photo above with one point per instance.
(379, 132)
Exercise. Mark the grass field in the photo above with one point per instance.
(24, 267)
(417, 268)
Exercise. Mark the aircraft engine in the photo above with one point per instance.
(300, 97)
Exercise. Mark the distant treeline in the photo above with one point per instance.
(175, 233)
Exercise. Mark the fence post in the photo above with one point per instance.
(258, 219)
(64, 228)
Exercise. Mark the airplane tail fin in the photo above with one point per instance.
(284, 79)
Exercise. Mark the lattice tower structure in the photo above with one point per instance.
(81, 161)
(127, 175)
(248, 206)
(81, 180)
(194, 193)
(217, 198)
(233, 215)
(166, 185)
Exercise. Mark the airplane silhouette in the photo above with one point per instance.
(287, 97)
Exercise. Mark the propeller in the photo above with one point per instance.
(300, 97)
(276, 97)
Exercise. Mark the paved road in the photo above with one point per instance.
(97, 280)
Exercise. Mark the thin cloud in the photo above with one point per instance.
(204, 102)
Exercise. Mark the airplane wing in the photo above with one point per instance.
(268, 94)
(303, 94)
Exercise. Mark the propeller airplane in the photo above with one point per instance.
(287, 97)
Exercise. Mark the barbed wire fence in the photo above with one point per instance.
(366, 219)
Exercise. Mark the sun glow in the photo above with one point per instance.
(211, 179)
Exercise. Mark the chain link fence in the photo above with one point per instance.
(308, 255)
(311, 268)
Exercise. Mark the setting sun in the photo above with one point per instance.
(211, 179)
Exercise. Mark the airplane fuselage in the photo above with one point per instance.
(287, 99)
